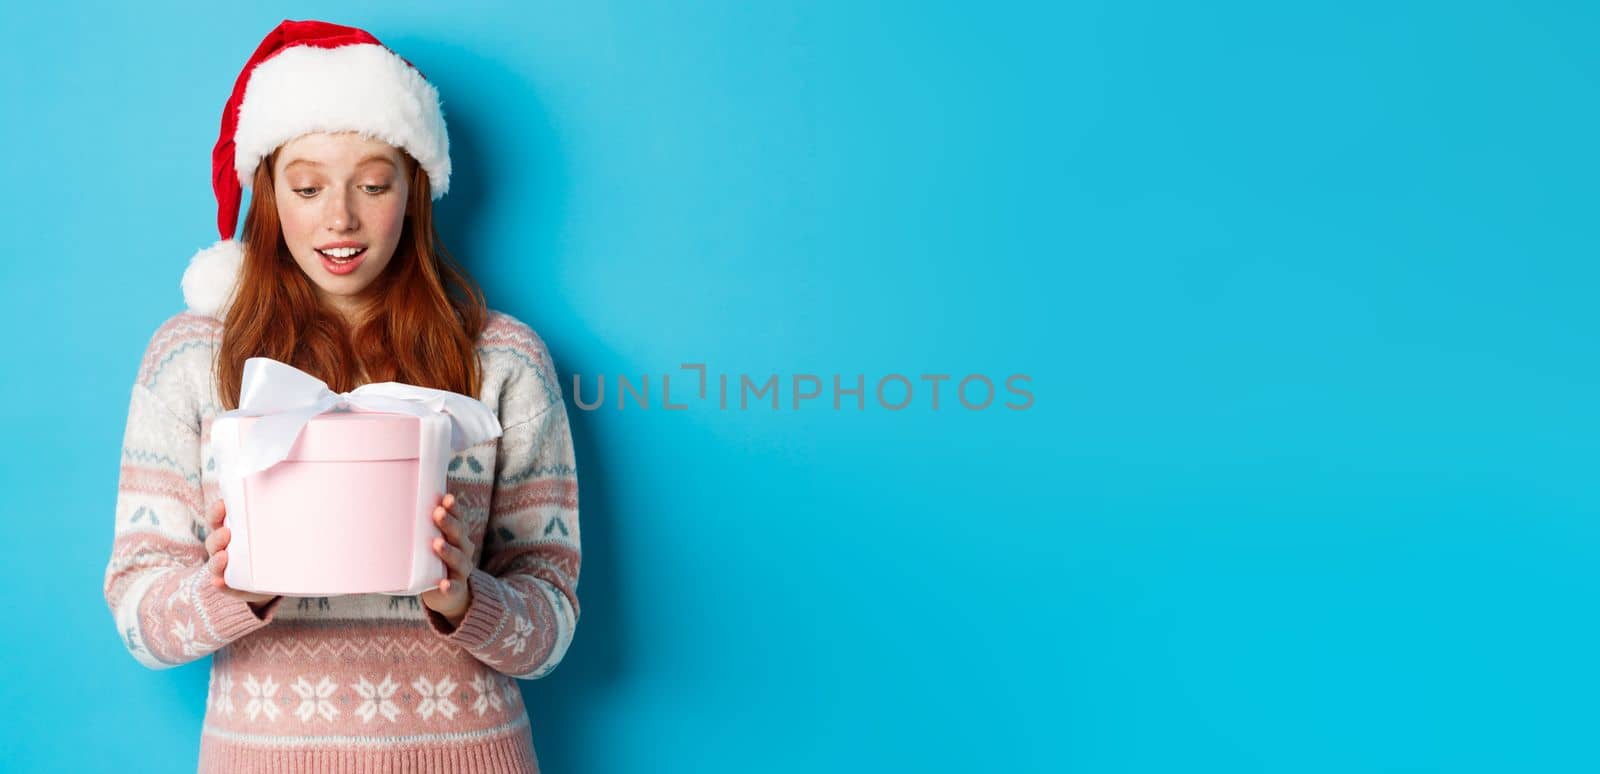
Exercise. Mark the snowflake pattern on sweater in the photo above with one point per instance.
(359, 673)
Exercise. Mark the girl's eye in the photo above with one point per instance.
(371, 189)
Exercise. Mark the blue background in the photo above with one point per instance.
(1306, 293)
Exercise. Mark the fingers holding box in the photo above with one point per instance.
(453, 547)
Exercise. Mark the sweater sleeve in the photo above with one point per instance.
(156, 580)
(524, 607)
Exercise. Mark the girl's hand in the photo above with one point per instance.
(217, 547)
(453, 595)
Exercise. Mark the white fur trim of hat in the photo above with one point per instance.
(363, 88)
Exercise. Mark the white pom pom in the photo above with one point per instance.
(208, 283)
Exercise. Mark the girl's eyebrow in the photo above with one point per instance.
(367, 160)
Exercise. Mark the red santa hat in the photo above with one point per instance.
(310, 76)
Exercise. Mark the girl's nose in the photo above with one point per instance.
(343, 215)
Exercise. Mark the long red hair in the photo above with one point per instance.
(421, 316)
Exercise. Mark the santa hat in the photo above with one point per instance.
(310, 76)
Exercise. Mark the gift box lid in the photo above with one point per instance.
(352, 436)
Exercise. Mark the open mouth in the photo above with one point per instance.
(342, 255)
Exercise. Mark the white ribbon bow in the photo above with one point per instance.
(286, 398)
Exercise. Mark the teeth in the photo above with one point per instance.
(342, 252)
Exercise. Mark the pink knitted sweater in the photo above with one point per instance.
(364, 682)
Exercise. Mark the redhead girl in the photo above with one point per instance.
(340, 273)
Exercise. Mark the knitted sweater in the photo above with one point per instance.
(365, 682)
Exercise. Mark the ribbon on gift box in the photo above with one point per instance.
(286, 398)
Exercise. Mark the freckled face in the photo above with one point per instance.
(342, 204)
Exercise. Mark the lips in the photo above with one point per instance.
(342, 265)
(340, 254)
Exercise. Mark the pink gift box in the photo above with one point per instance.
(348, 511)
